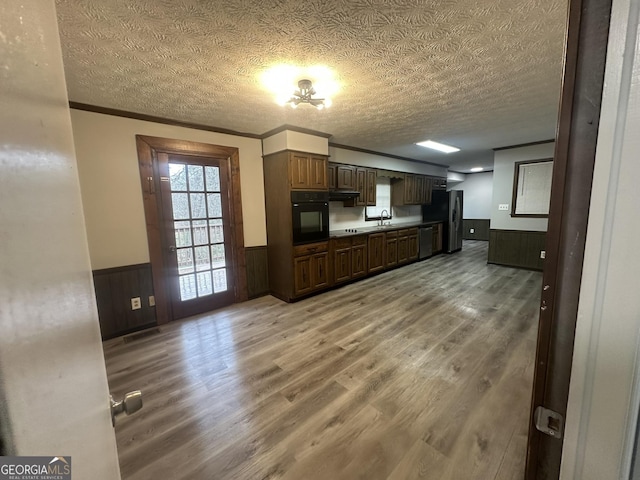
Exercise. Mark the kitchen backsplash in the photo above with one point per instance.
(341, 217)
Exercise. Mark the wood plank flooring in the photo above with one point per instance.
(423, 372)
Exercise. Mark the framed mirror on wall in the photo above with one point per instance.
(532, 188)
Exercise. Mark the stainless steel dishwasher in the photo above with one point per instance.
(426, 242)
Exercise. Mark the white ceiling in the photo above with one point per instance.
(477, 74)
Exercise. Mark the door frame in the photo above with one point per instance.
(574, 159)
(148, 148)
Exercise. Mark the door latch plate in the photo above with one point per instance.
(549, 422)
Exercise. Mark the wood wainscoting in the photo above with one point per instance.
(480, 228)
(257, 271)
(516, 248)
(115, 287)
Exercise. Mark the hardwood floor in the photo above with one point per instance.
(421, 372)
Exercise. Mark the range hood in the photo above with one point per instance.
(341, 195)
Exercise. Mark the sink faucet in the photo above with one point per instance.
(382, 216)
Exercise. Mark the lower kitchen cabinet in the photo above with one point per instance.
(437, 238)
(413, 244)
(341, 252)
(359, 257)
(391, 257)
(310, 268)
(377, 259)
(403, 246)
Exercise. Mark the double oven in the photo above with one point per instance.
(310, 216)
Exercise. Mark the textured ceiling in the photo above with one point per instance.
(477, 74)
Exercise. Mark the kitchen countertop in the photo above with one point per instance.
(366, 230)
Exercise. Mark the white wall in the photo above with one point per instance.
(53, 386)
(477, 197)
(292, 140)
(503, 168)
(111, 190)
(604, 392)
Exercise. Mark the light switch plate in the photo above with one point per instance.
(135, 303)
(503, 206)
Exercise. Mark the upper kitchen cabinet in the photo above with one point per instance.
(308, 171)
(413, 189)
(345, 177)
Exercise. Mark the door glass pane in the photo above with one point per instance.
(198, 229)
(178, 177)
(220, 280)
(187, 287)
(205, 286)
(213, 179)
(183, 234)
(203, 262)
(180, 202)
(185, 260)
(196, 178)
(214, 202)
(216, 231)
(200, 233)
(217, 254)
(198, 208)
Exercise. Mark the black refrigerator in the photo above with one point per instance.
(446, 207)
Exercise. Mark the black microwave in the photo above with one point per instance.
(310, 216)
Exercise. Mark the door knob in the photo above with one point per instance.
(131, 403)
(172, 249)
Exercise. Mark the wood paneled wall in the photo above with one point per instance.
(115, 287)
(257, 271)
(516, 248)
(480, 229)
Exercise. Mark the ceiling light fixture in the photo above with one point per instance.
(441, 147)
(477, 169)
(304, 94)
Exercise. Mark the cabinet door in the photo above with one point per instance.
(331, 173)
(346, 177)
(418, 191)
(391, 252)
(403, 249)
(320, 270)
(318, 173)
(359, 260)
(371, 187)
(376, 252)
(409, 189)
(437, 238)
(299, 171)
(361, 186)
(412, 245)
(302, 275)
(342, 264)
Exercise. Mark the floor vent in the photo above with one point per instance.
(137, 336)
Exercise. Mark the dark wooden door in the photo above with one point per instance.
(346, 177)
(302, 275)
(371, 187)
(574, 158)
(392, 250)
(195, 202)
(342, 264)
(361, 186)
(359, 259)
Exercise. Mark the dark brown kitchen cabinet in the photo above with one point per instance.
(437, 238)
(310, 268)
(341, 252)
(361, 186)
(376, 252)
(371, 179)
(346, 177)
(413, 246)
(308, 171)
(359, 257)
(413, 189)
(332, 172)
(391, 252)
(403, 246)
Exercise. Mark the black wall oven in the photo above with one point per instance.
(310, 216)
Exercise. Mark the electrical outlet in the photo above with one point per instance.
(543, 254)
(503, 206)
(135, 303)
(152, 301)
(472, 230)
